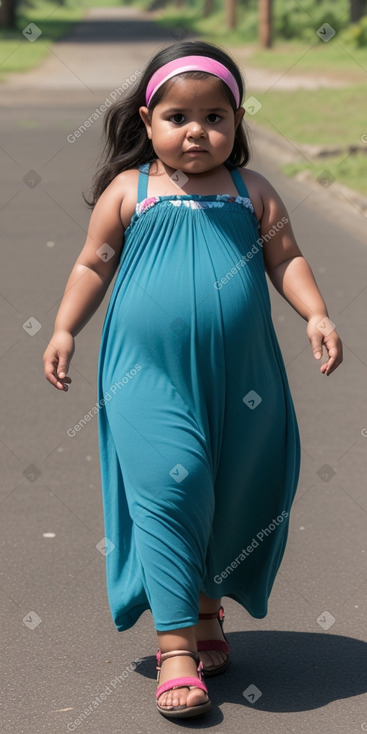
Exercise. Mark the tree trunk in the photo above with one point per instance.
(357, 10)
(265, 23)
(8, 14)
(231, 14)
(208, 8)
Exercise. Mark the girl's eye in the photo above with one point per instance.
(179, 118)
(178, 114)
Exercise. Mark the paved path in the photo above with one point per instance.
(307, 657)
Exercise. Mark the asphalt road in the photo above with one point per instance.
(61, 654)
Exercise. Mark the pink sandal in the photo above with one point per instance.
(220, 645)
(182, 711)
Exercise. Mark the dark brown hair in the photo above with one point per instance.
(126, 143)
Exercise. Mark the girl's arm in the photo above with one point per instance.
(88, 282)
(292, 277)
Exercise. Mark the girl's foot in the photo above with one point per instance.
(210, 629)
(214, 660)
(178, 667)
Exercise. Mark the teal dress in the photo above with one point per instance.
(199, 442)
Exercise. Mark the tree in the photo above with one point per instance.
(231, 14)
(265, 23)
(208, 8)
(357, 8)
(8, 13)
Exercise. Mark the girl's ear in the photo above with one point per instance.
(144, 114)
(238, 115)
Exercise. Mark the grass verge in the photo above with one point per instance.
(321, 117)
(349, 170)
(318, 117)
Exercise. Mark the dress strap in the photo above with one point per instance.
(239, 183)
(143, 182)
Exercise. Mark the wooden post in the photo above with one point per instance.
(208, 8)
(357, 8)
(231, 14)
(265, 23)
(8, 14)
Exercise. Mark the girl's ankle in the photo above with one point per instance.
(209, 606)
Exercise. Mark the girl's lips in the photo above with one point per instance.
(196, 150)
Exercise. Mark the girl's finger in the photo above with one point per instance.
(51, 376)
(64, 383)
(316, 345)
(332, 363)
(63, 368)
(327, 368)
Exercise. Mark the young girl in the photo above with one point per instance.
(199, 443)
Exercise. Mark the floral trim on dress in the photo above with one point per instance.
(218, 201)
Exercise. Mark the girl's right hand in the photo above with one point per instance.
(57, 357)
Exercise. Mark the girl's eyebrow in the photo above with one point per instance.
(188, 109)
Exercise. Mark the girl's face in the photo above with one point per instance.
(192, 129)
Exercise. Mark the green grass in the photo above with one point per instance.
(349, 170)
(335, 57)
(55, 21)
(321, 116)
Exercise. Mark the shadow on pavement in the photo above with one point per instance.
(295, 671)
(116, 31)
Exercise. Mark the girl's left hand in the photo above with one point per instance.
(321, 331)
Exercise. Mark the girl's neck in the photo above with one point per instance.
(159, 168)
(215, 181)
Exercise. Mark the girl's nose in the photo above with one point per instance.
(195, 130)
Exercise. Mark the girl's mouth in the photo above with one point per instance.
(196, 150)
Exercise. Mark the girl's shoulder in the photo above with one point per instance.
(126, 179)
(261, 192)
(127, 185)
(258, 189)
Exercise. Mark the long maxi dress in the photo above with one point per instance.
(199, 442)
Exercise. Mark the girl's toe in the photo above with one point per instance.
(182, 697)
(195, 697)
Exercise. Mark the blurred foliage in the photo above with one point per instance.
(357, 33)
(296, 21)
(292, 20)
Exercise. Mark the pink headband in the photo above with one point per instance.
(191, 63)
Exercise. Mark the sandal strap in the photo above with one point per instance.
(219, 645)
(214, 615)
(161, 656)
(186, 682)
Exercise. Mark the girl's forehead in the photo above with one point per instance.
(195, 90)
